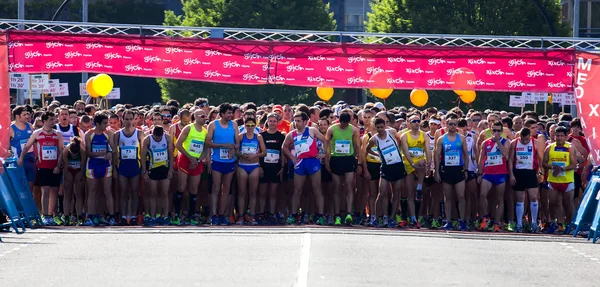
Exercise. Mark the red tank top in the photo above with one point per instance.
(495, 163)
(47, 150)
(584, 143)
(177, 130)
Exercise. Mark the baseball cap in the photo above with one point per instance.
(277, 107)
(564, 124)
(379, 105)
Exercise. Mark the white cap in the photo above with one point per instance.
(379, 105)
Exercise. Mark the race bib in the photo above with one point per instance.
(301, 146)
(452, 158)
(197, 146)
(224, 153)
(98, 148)
(416, 152)
(342, 146)
(159, 155)
(494, 159)
(74, 164)
(561, 164)
(524, 159)
(272, 156)
(23, 143)
(391, 155)
(128, 152)
(249, 148)
(49, 153)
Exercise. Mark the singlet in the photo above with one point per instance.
(304, 144)
(73, 162)
(47, 150)
(273, 144)
(452, 152)
(431, 147)
(249, 146)
(560, 156)
(370, 157)
(242, 129)
(129, 147)
(158, 153)
(416, 147)
(223, 136)
(99, 144)
(194, 142)
(495, 163)
(585, 146)
(20, 139)
(388, 149)
(525, 155)
(176, 136)
(470, 149)
(68, 133)
(341, 141)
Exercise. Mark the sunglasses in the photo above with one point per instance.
(202, 105)
(250, 125)
(415, 121)
(202, 116)
(452, 124)
(497, 131)
(476, 120)
(166, 115)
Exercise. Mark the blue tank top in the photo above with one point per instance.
(19, 140)
(249, 146)
(223, 136)
(452, 152)
(99, 143)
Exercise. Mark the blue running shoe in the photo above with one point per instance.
(214, 220)
(223, 221)
(448, 225)
(552, 228)
(463, 226)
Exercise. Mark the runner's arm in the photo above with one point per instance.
(317, 134)
(427, 151)
(171, 153)
(179, 145)
(144, 152)
(582, 151)
(545, 163)
(60, 149)
(263, 148)
(481, 163)
(403, 142)
(357, 143)
(504, 147)
(29, 144)
(285, 146)
(437, 152)
(508, 134)
(540, 153)
(65, 157)
(573, 160)
(465, 153)
(511, 156)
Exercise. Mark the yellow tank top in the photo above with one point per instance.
(416, 147)
(194, 143)
(370, 157)
(560, 156)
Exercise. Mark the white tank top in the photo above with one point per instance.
(524, 155)
(388, 150)
(470, 145)
(128, 146)
(68, 135)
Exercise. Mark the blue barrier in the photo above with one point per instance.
(7, 206)
(584, 216)
(22, 196)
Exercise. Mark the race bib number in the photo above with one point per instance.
(128, 152)
(494, 159)
(561, 164)
(23, 143)
(301, 146)
(272, 156)
(342, 146)
(249, 148)
(452, 158)
(74, 164)
(98, 148)
(159, 155)
(49, 152)
(524, 159)
(391, 155)
(197, 146)
(416, 152)
(224, 153)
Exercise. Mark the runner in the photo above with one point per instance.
(344, 141)
(20, 132)
(74, 158)
(452, 161)
(306, 164)
(271, 169)
(49, 169)
(68, 131)
(493, 172)
(523, 168)
(371, 166)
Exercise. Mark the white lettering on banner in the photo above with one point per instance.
(556, 85)
(278, 57)
(334, 69)
(315, 79)
(210, 53)
(453, 71)
(191, 61)
(494, 72)
(12, 67)
(276, 79)
(173, 50)
(211, 74)
(516, 63)
(556, 63)
(594, 110)
(570, 74)
(399, 60)
(19, 81)
(435, 82)
(294, 68)
(475, 83)
(356, 59)
(231, 64)
(252, 56)
(132, 68)
(414, 71)
(597, 155)
(72, 54)
(316, 58)
(53, 65)
(151, 59)
(111, 56)
(250, 77)
(534, 74)
(374, 70)
(355, 80)
(51, 45)
(479, 61)
(32, 54)
(91, 46)
(92, 65)
(172, 71)
(133, 48)
(515, 84)
(396, 81)
(15, 44)
(436, 61)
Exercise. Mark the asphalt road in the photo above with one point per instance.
(291, 257)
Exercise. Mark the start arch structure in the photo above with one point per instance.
(306, 58)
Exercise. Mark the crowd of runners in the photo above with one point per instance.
(249, 164)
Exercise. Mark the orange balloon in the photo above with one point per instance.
(325, 93)
(463, 79)
(381, 93)
(89, 87)
(467, 96)
(419, 98)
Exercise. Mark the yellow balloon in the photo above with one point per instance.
(381, 93)
(103, 84)
(467, 96)
(419, 98)
(325, 93)
(550, 98)
(89, 87)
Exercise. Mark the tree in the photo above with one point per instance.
(267, 14)
(475, 17)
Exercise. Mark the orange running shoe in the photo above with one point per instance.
(484, 223)
(496, 228)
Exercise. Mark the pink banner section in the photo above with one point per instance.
(4, 100)
(587, 89)
(298, 64)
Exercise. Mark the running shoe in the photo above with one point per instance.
(223, 220)
(112, 221)
(330, 220)
(463, 226)
(385, 221)
(391, 223)
(435, 224)
(534, 228)
(403, 223)
(123, 221)
(397, 218)
(58, 220)
(133, 222)
(348, 220)
(321, 220)
(166, 220)
(158, 219)
(511, 227)
(421, 221)
(373, 221)
(496, 227)
(561, 228)
(338, 221)
(176, 220)
(253, 221)
(231, 219)
(483, 224)
(214, 220)
(417, 225)
(291, 220)
(448, 225)
(552, 228)
(46, 221)
(88, 222)
(519, 229)
(73, 220)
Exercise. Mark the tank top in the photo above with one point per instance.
(560, 156)
(470, 149)
(322, 150)
(249, 146)
(20, 139)
(194, 142)
(157, 153)
(273, 144)
(495, 163)
(585, 145)
(525, 155)
(388, 150)
(304, 144)
(74, 162)
(176, 136)
(68, 133)
(370, 157)
(242, 129)
(223, 136)
(99, 144)
(47, 150)
(452, 152)
(341, 141)
(416, 147)
(129, 147)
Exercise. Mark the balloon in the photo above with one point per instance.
(463, 79)
(381, 93)
(325, 93)
(467, 96)
(419, 98)
(89, 87)
(103, 84)
(550, 98)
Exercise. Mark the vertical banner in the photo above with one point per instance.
(587, 89)
(5, 111)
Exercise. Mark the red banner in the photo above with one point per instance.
(298, 64)
(4, 100)
(587, 89)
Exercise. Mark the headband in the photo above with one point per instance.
(433, 121)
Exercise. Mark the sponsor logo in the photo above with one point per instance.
(91, 46)
(534, 74)
(252, 56)
(14, 45)
(32, 54)
(479, 61)
(396, 81)
(516, 63)
(172, 71)
(151, 59)
(92, 65)
(315, 79)
(334, 69)
(516, 84)
(374, 70)
(556, 85)
(72, 54)
(231, 64)
(132, 68)
(50, 45)
(14, 66)
(111, 56)
(277, 78)
(436, 61)
(435, 82)
(356, 59)
(278, 57)
(316, 58)
(396, 60)
(250, 77)
(212, 74)
(355, 80)
(133, 48)
(53, 65)
(453, 71)
(210, 53)
(556, 63)
(191, 61)
(173, 50)
(494, 72)
(475, 83)
(294, 68)
(414, 71)
(570, 74)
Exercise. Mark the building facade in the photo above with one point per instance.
(350, 15)
(589, 16)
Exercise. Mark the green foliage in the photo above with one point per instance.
(268, 14)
